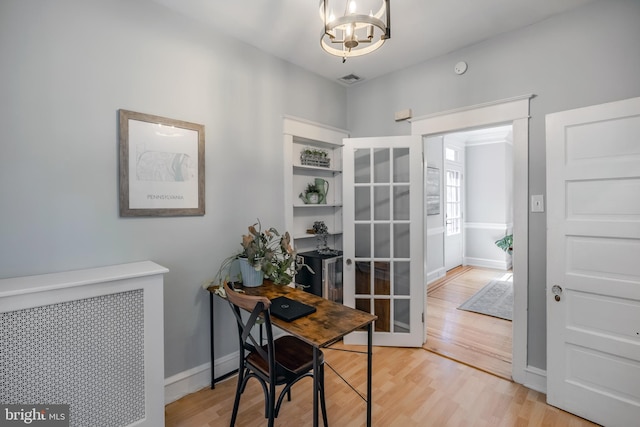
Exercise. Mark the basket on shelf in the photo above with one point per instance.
(315, 157)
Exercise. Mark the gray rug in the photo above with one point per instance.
(494, 299)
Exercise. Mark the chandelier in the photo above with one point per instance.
(358, 31)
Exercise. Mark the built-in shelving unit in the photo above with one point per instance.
(300, 134)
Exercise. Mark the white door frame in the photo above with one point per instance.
(516, 111)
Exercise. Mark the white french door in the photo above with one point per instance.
(453, 217)
(593, 262)
(383, 236)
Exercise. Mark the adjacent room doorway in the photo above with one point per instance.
(474, 217)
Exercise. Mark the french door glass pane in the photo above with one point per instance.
(382, 278)
(363, 278)
(363, 304)
(401, 241)
(401, 315)
(381, 202)
(381, 165)
(363, 240)
(382, 309)
(401, 164)
(401, 276)
(382, 236)
(401, 203)
(362, 166)
(362, 203)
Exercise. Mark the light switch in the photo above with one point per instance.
(537, 203)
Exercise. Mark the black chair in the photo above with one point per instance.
(284, 361)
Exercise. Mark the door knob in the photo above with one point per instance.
(349, 261)
(557, 291)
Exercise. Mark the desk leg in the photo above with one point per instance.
(213, 374)
(369, 370)
(316, 382)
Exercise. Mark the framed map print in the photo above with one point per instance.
(161, 166)
(433, 191)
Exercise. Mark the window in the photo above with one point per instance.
(454, 201)
(451, 154)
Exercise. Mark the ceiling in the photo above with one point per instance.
(420, 29)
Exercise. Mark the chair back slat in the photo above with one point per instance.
(246, 302)
(258, 307)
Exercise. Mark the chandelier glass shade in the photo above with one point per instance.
(354, 28)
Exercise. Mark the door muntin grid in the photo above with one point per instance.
(453, 186)
(382, 236)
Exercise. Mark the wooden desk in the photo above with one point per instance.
(328, 324)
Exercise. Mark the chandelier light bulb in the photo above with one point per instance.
(352, 6)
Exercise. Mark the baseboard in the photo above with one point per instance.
(194, 379)
(197, 378)
(434, 275)
(535, 379)
(488, 263)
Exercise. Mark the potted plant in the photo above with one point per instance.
(315, 157)
(321, 231)
(506, 243)
(264, 254)
(311, 195)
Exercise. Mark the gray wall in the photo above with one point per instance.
(66, 67)
(488, 189)
(585, 57)
(485, 183)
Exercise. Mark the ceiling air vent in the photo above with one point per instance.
(350, 79)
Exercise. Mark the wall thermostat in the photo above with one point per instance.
(460, 67)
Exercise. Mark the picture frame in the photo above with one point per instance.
(433, 190)
(161, 166)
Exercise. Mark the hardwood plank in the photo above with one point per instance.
(474, 339)
(411, 387)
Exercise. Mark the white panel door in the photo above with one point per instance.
(383, 237)
(593, 262)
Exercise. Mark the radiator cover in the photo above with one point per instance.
(85, 352)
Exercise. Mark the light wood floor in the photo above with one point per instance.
(475, 339)
(411, 387)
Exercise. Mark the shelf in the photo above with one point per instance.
(308, 236)
(300, 134)
(316, 169)
(318, 205)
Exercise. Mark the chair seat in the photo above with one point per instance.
(293, 354)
